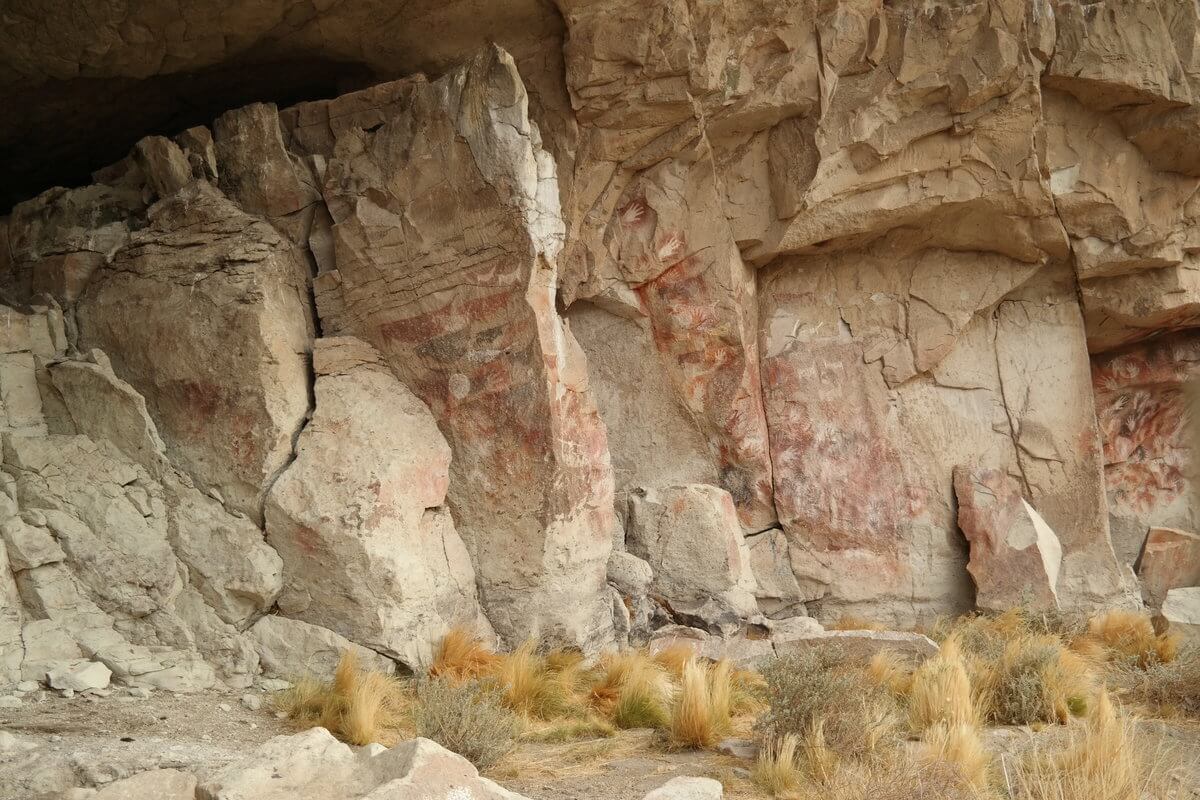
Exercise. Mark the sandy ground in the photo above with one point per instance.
(90, 741)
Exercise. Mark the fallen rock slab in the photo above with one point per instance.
(863, 645)
(313, 765)
(1181, 610)
(79, 676)
(1170, 560)
(159, 784)
(1015, 556)
(688, 789)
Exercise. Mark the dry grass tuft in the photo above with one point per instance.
(1170, 689)
(357, 707)
(632, 690)
(532, 688)
(674, 658)
(695, 722)
(1107, 762)
(1037, 679)
(775, 771)
(888, 670)
(461, 655)
(1130, 635)
(961, 746)
(941, 691)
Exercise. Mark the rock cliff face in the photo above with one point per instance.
(574, 321)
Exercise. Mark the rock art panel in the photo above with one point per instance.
(1141, 408)
(201, 275)
(450, 272)
(357, 516)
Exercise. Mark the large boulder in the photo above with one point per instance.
(357, 516)
(205, 313)
(315, 766)
(1015, 557)
(1181, 610)
(446, 230)
(690, 537)
(290, 649)
(1169, 560)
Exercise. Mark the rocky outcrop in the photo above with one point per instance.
(1015, 557)
(1181, 611)
(670, 312)
(447, 231)
(368, 550)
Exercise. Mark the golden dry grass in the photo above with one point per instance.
(888, 670)
(357, 707)
(461, 655)
(941, 691)
(961, 746)
(775, 770)
(674, 657)
(694, 723)
(1131, 635)
(631, 689)
(851, 622)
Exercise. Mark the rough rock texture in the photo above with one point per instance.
(1181, 610)
(809, 255)
(688, 789)
(200, 274)
(1170, 560)
(313, 765)
(289, 648)
(161, 784)
(690, 537)
(1015, 557)
(367, 549)
(447, 231)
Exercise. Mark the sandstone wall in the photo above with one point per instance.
(502, 345)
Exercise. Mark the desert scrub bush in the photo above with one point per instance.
(1171, 688)
(1108, 761)
(468, 717)
(818, 687)
(1037, 679)
(358, 707)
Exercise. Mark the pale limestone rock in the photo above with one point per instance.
(29, 546)
(690, 537)
(1169, 560)
(315, 766)
(164, 311)
(777, 581)
(1181, 610)
(357, 517)
(289, 648)
(686, 788)
(160, 784)
(1015, 557)
(78, 675)
(630, 575)
(465, 315)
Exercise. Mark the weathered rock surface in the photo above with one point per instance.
(290, 648)
(810, 256)
(1181, 610)
(357, 517)
(690, 537)
(688, 789)
(447, 229)
(200, 274)
(315, 765)
(1169, 560)
(1015, 557)
(161, 784)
